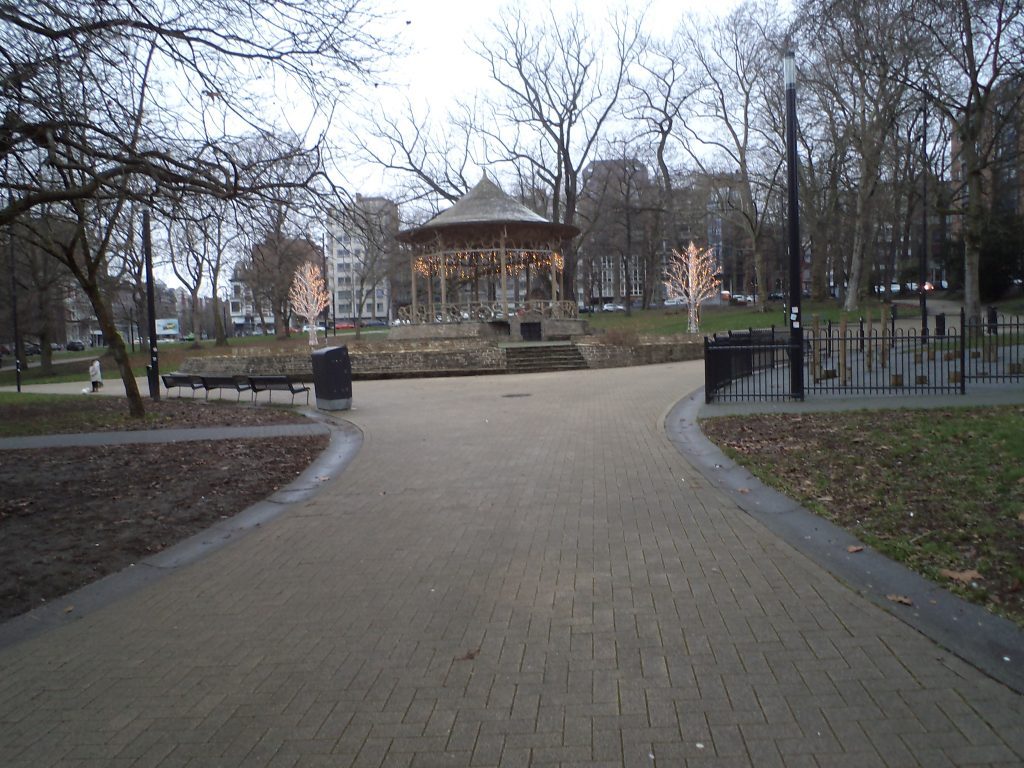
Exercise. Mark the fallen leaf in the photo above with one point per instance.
(854, 548)
(470, 655)
(69, 609)
(901, 599)
(964, 577)
(744, 490)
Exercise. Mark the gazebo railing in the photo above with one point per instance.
(484, 312)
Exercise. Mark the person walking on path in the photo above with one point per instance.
(95, 376)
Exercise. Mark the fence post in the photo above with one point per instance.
(844, 371)
(869, 356)
(963, 351)
(708, 396)
(816, 349)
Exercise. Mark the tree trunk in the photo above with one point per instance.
(861, 240)
(218, 321)
(974, 223)
(117, 348)
(195, 321)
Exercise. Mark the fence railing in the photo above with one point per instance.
(862, 358)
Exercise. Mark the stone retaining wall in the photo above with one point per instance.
(644, 352)
(439, 357)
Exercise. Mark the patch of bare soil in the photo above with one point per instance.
(69, 516)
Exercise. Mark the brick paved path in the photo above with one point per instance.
(514, 571)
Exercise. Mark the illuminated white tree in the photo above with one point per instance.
(690, 275)
(308, 296)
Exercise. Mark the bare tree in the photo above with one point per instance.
(973, 75)
(863, 53)
(735, 61)
(206, 57)
(432, 157)
(308, 296)
(42, 281)
(825, 156)
(278, 221)
(108, 101)
(199, 234)
(657, 104)
(559, 87)
(270, 265)
(690, 275)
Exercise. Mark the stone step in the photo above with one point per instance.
(535, 359)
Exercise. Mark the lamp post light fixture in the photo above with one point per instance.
(796, 332)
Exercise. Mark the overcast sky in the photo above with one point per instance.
(439, 65)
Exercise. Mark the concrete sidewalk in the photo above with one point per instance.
(514, 570)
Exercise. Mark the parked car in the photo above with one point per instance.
(76, 346)
(55, 346)
(613, 308)
(776, 296)
(675, 301)
(376, 322)
(32, 349)
(344, 325)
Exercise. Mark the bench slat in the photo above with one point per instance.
(172, 380)
(278, 383)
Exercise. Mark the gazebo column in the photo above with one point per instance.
(415, 302)
(561, 286)
(443, 272)
(430, 290)
(554, 285)
(501, 258)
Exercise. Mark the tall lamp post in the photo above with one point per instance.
(922, 272)
(796, 331)
(18, 345)
(153, 369)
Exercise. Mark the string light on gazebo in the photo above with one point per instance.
(486, 237)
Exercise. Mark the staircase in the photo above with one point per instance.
(544, 356)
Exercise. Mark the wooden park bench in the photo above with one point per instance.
(225, 381)
(181, 380)
(280, 383)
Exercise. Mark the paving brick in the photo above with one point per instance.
(499, 582)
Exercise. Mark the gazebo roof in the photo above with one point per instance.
(483, 213)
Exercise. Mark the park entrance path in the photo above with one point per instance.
(515, 570)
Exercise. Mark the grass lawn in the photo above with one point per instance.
(719, 319)
(941, 491)
(74, 366)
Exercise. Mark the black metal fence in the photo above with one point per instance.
(862, 358)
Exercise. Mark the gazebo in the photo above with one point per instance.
(488, 266)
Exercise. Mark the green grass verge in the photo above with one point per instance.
(941, 491)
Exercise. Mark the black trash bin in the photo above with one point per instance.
(332, 379)
(940, 324)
